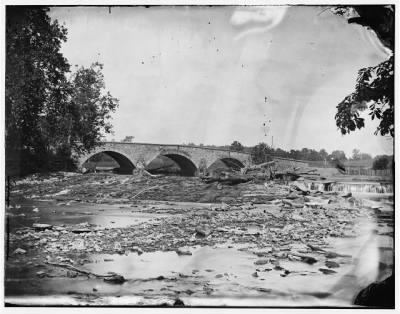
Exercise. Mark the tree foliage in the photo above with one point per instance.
(382, 162)
(337, 155)
(128, 139)
(261, 153)
(358, 155)
(374, 88)
(34, 69)
(48, 112)
(237, 146)
(90, 108)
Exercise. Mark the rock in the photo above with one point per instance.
(264, 290)
(263, 251)
(181, 252)
(301, 187)
(178, 303)
(78, 245)
(63, 192)
(41, 274)
(298, 217)
(308, 259)
(261, 262)
(20, 251)
(115, 279)
(42, 227)
(227, 199)
(219, 276)
(331, 264)
(326, 271)
(331, 255)
(72, 274)
(254, 274)
(203, 232)
(42, 241)
(81, 230)
(36, 210)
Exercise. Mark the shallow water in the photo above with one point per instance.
(59, 213)
(219, 275)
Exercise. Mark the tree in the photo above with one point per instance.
(323, 154)
(357, 155)
(35, 77)
(90, 109)
(128, 139)
(337, 155)
(261, 153)
(237, 146)
(48, 115)
(375, 85)
(382, 162)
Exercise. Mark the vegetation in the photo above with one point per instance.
(236, 146)
(382, 162)
(128, 139)
(375, 85)
(50, 113)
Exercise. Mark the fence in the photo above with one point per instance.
(355, 171)
(369, 172)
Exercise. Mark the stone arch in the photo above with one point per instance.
(126, 165)
(182, 159)
(230, 162)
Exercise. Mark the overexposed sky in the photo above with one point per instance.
(213, 75)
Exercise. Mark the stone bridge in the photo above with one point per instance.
(191, 159)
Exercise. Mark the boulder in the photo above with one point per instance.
(42, 227)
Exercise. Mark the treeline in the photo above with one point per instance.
(263, 152)
(51, 112)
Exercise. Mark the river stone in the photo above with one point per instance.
(226, 199)
(41, 274)
(117, 279)
(81, 230)
(331, 264)
(19, 251)
(327, 271)
(202, 232)
(182, 252)
(42, 227)
(261, 262)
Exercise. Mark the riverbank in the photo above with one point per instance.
(179, 238)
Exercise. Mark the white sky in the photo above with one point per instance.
(201, 74)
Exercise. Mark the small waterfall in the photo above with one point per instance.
(352, 187)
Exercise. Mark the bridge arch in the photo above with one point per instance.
(182, 159)
(126, 165)
(228, 162)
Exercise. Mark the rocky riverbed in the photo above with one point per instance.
(111, 239)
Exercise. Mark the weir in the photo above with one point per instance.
(352, 187)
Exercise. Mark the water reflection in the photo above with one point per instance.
(223, 274)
